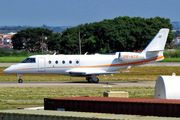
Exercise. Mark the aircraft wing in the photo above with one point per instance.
(84, 73)
(99, 73)
(96, 72)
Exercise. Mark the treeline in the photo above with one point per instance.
(8, 29)
(107, 36)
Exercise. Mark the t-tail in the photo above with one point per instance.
(153, 51)
(156, 47)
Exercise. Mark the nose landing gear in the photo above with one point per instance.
(20, 80)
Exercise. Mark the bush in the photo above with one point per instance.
(15, 53)
(4, 53)
(172, 54)
(25, 53)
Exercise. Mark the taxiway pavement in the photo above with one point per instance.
(118, 84)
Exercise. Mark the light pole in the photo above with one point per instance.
(42, 43)
(80, 42)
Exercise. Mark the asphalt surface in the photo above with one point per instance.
(85, 83)
(118, 84)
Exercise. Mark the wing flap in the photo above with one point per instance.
(90, 72)
(77, 73)
(99, 73)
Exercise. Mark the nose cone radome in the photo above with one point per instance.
(6, 71)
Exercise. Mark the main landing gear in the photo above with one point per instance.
(20, 80)
(92, 79)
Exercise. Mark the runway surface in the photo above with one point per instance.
(119, 84)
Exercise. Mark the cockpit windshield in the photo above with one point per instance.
(29, 60)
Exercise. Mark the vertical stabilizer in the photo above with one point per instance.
(158, 42)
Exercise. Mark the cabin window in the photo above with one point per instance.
(77, 62)
(63, 62)
(32, 60)
(26, 60)
(56, 62)
(70, 62)
(29, 60)
(49, 62)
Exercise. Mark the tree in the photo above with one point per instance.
(54, 42)
(30, 39)
(112, 35)
(17, 41)
(107, 36)
(70, 41)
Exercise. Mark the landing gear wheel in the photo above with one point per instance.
(20, 80)
(96, 81)
(90, 80)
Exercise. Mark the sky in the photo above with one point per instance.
(76, 12)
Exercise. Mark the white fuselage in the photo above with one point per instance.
(62, 64)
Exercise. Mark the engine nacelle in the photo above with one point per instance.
(131, 56)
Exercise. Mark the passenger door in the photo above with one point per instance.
(41, 65)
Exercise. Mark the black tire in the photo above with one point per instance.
(20, 80)
(90, 80)
(96, 81)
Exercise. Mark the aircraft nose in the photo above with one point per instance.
(6, 70)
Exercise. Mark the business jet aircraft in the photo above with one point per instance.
(90, 66)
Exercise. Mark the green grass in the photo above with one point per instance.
(3, 107)
(11, 59)
(171, 60)
(15, 97)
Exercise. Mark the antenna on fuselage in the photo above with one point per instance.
(54, 53)
(86, 53)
